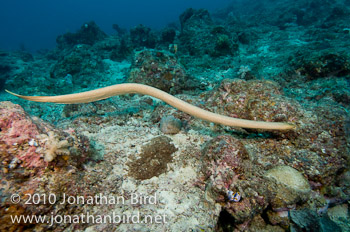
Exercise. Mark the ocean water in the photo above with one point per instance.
(35, 25)
(175, 116)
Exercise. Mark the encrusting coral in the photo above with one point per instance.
(106, 92)
(53, 146)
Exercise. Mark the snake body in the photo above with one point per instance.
(119, 89)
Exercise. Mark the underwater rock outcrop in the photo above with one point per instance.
(288, 63)
(88, 34)
(76, 67)
(292, 187)
(316, 155)
(329, 65)
(199, 35)
(26, 146)
(227, 167)
(142, 36)
(159, 69)
(254, 99)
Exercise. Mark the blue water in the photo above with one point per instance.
(35, 24)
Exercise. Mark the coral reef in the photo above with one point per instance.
(227, 167)
(53, 145)
(159, 69)
(25, 168)
(199, 35)
(142, 36)
(276, 61)
(325, 66)
(74, 68)
(89, 34)
(254, 99)
(168, 35)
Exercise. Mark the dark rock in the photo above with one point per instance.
(195, 31)
(123, 50)
(308, 220)
(142, 36)
(247, 37)
(4, 69)
(168, 35)
(76, 67)
(325, 66)
(118, 29)
(199, 35)
(89, 34)
(194, 17)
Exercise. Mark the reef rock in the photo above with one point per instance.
(159, 69)
(26, 146)
(227, 167)
(142, 36)
(291, 186)
(199, 35)
(89, 34)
